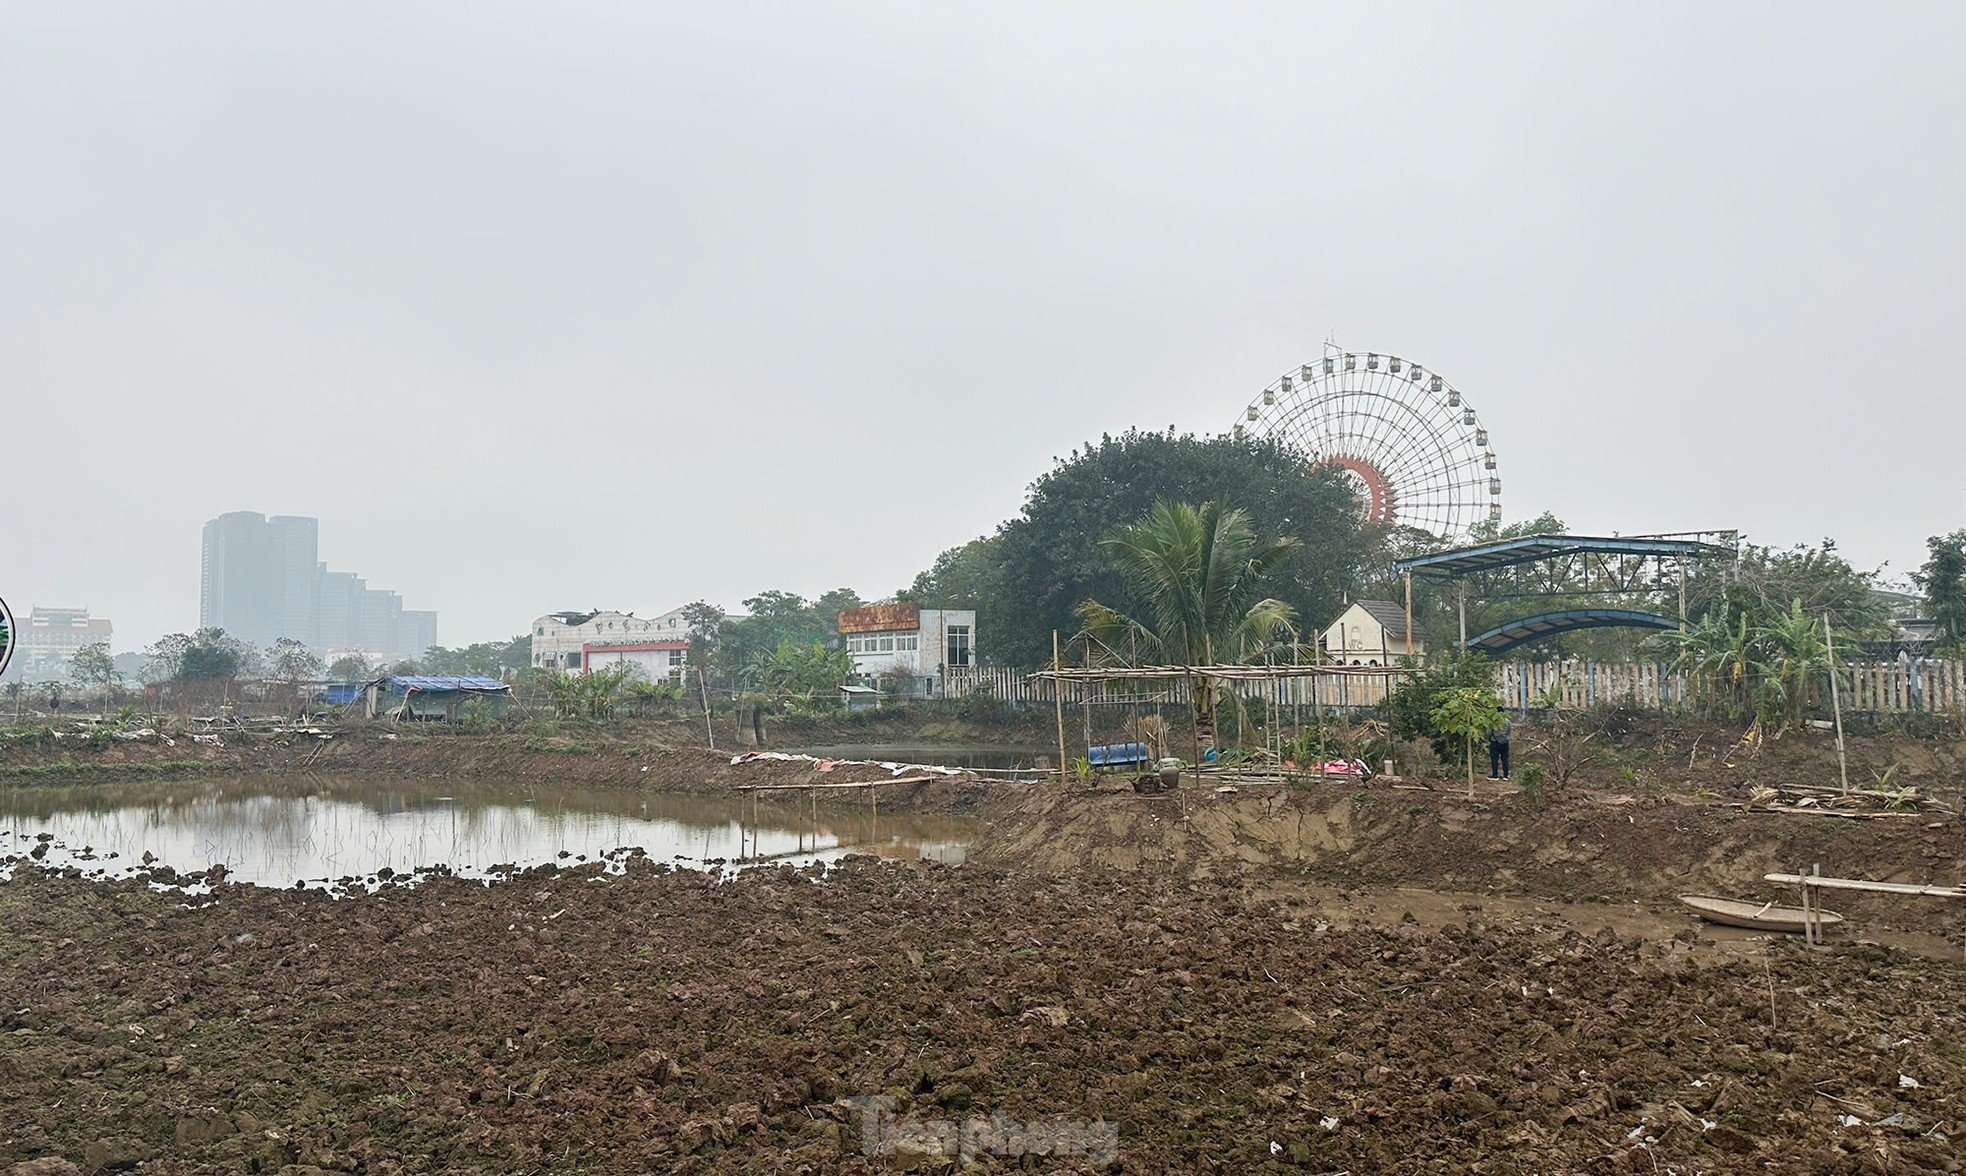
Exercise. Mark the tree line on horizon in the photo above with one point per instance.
(1035, 573)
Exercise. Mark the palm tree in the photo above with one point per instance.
(1197, 569)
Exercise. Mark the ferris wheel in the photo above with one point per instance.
(1409, 441)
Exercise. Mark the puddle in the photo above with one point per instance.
(277, 831)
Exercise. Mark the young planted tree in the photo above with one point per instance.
(1470, 713)
(292, 662)
(1195, 571)
(1409, 708)
(93, 666)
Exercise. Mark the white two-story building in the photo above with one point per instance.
(905, 641)
(563, 641)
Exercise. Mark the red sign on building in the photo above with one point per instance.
(881, 618)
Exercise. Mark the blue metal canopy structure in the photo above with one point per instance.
(1522, 631)
(1457, 562)
(1610, 565)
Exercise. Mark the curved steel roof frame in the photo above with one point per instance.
(1522, 631)
(1458, 562)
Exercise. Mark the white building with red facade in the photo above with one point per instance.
(905, 641)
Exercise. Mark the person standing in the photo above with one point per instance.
(1498, 751)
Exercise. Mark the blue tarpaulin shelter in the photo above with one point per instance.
(433, 696)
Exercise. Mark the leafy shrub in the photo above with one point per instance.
(1533, 780)
(1409, 709)
(981, 705)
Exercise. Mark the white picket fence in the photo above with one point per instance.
(1868, 687)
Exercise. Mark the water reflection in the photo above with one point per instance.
(279, 830)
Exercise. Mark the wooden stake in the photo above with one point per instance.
(1816, 905)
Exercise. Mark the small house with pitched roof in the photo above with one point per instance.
(1370, 633)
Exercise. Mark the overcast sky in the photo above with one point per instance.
(622, 305)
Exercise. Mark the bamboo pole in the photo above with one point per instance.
(1085, 703)
(703, 692)
(1409, 613)
(1058, 705)
(1836, 707)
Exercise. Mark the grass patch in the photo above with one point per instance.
(562, 746)
(69, 769)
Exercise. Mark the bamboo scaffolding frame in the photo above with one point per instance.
(1250, 673)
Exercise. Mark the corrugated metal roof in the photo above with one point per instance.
(443, 682)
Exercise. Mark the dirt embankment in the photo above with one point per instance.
(662, 1022)
(628, 758)
(1588, 849)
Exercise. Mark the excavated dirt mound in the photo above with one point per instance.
(663, 1022)
(1585, 849)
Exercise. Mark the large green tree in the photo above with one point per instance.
(1031, 575)
(1764, 584)
(486, 659)
(730, 650)
(208, 655)
(1943, 582)
(292, 662)
(1199, 571)
(352, 667)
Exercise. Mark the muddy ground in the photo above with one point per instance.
(1611, 750)
(660, 1022)
(1327, 979)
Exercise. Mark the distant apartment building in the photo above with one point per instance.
(904, 641)
(564, 640)
(256, 576)
(47, 639)
(262, 579)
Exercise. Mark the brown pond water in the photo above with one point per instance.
(277, 831)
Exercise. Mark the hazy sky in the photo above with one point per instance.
(560, 305)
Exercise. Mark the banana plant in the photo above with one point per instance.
(1795, 652)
